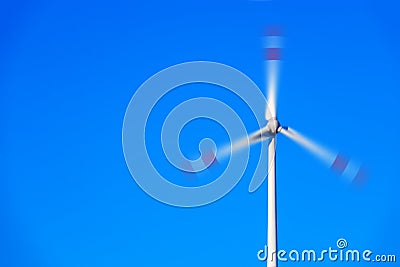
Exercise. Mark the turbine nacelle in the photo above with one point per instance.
(271, 129)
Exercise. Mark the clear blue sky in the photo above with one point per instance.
(68, 70)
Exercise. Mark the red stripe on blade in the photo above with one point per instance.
(187, 167)
(272, 53)
(340, 163)
(208, 158)
(361, 177)
(188, 171)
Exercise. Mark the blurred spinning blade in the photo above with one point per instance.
(273, 48)
(350, 169)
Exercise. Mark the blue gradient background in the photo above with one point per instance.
(68, 70)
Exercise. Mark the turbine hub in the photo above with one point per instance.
(273, 126)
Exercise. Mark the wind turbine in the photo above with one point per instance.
(350, 169)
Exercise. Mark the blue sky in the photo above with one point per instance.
(69, 69)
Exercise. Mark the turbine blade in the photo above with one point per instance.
(236, 146)
(324, 154)
(350, 169)
(272, 46)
